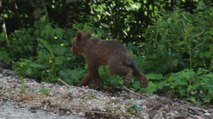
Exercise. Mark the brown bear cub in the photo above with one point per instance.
(110, 53)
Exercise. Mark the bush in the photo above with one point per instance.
(180, 40)
(52, 53)
(179, 55)
(194, 86)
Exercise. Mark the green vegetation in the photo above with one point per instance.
(172, 43)
(44, 91)
(23, 87)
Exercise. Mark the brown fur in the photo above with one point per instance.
(110, 53)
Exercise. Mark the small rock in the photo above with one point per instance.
(208, 115)
(198, 117)
(1, 75)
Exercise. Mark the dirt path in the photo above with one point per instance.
(49, 101)
(12, 110)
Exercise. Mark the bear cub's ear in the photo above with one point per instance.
(79, 36)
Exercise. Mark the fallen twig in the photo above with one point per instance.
(104, 113)
(98, 112)
(63, 82)
(137, 94)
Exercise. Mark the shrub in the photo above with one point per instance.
(52, 53)
(194, 86)
(179, 40)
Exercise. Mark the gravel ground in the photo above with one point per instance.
(12, 110)
(63, 102)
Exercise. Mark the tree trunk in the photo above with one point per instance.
(39, 9)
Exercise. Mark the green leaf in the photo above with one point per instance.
(151, 88)
(154, 76)
(44, 91)
(192, 99)
(23, 88)
(36, 65)
(72, 76)
(28, 71)
(208, 55)
(190, 88)
(182, 92)
(5, 57)
(49, 48)
(188, 74)
(59, 60)
(134, 108)
(163, 84)
(136, 85)
(180, 82)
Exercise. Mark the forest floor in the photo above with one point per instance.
(33, 100)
